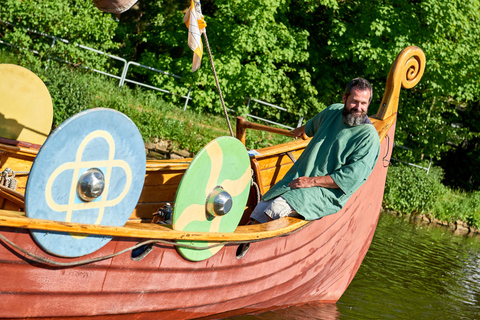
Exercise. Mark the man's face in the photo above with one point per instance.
(356, 106)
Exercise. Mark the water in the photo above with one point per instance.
(411, 271)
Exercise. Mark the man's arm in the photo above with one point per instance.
(308, 182)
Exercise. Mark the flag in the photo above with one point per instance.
(196, 26)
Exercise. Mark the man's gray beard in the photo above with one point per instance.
(352, 121)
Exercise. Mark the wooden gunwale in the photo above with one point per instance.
(154, 231)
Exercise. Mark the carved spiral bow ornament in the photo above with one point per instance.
(406, 72)
(414, 68)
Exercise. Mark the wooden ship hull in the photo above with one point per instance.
(289, 262)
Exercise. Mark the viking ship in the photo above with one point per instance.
(146, 268)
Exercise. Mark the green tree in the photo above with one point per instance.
(257, 52)
(77, 21)
(366, 36)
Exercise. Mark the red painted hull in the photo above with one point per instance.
(316, 263)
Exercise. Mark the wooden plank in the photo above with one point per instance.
(405, 72)
(11, 206)
(11, 196)
(154, 231)
(19, 150)
(384, 126)
(161, 181)
(170, 177)
(273, 161)
(257, 173)
(267, 187)
(145, 211)
(172, 164)
(283, 148)
(274, 174)
(158, 193)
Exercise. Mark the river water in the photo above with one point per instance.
(411, 271)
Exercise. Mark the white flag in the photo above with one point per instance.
(196, 26)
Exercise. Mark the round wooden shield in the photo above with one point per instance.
(223, 165)
(101, 146)
(26, 110)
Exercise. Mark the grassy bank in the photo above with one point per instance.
(411, 191)
(74, 90)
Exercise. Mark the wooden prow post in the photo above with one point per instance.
(241, 131)
(243, 124)
(406, 72)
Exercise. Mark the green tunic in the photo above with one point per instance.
(347, 154)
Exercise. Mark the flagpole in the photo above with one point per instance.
(216, 81)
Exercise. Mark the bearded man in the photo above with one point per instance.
(336, 162)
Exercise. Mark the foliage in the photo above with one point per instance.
(76, 90)
(74, 20)
(71, 92)
(298, 54)
(366, 36)
(410, 190)
(256, 51)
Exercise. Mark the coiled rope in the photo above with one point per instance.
(8, 178)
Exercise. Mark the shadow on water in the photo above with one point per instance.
(412, 271)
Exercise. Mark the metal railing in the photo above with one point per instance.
(411, 164)
(124, 79)
(126, 66)
(299, 123)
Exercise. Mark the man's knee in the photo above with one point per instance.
(272, 210)
(278, 208)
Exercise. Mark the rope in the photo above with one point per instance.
(386, 155)
(77, 263)
(216, 81)
(10, 181)
(42, 260)
(258, 195)
(21, 173)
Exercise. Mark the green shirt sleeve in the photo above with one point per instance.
(359, 165)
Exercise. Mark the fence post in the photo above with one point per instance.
(48, 56)
(188, 98)
(299, 124)
(124, 74)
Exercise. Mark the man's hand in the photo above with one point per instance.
(302, 182)
(298, 132)
(308, 182)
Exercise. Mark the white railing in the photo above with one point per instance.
(411, 164)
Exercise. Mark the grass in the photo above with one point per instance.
(74, 90)
(412, 191)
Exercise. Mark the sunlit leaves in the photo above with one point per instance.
(77, 21)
